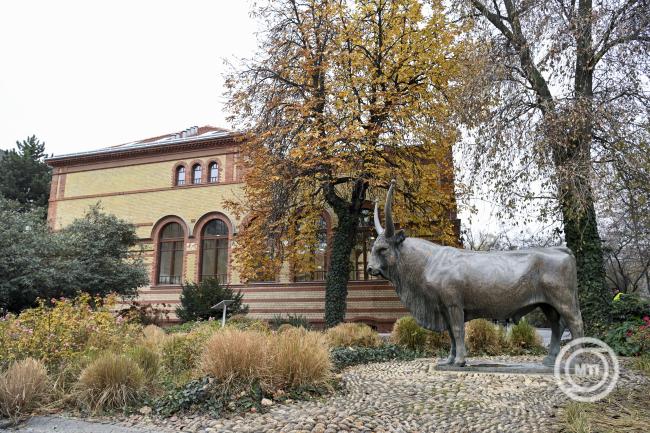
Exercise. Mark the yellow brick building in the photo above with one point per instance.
(173, 188)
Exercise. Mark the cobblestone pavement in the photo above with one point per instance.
(405, 397)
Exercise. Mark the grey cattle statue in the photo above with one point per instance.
(444, 287)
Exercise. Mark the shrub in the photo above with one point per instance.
(299, 358)
(60, 332)
(483, 337)
(242, 322)
(236, 355)
(642, 363)
(407, 333)
(524, 336)
(197, 300)
(22, 388)
(295, 320)
(179, 354)
(153, 337)
(631, 337)
(145, 314)
(110, 382)
(353, 334)
(147, 359)
(629, 307)
(347, 356)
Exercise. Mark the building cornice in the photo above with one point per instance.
(118, 153)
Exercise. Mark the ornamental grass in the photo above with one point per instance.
(110, 382)
(23, 388)
(353, 335)
(299, 358)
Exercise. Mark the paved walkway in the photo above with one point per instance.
(53, 424)
(397, 397)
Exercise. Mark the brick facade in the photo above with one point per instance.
(137, 184)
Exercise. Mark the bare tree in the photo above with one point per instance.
(565, 83)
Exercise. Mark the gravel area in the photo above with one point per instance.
(405, 397)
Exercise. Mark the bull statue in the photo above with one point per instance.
(444, 287)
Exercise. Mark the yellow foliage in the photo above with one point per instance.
(374, 100)
(61, 331)
(353, 335)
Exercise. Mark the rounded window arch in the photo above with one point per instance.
(196, 174)
(213, 172)
(214, 251)
(170, 257)
(179, 177)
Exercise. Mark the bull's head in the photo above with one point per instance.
(385, 250)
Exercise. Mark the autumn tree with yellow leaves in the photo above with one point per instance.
(340, 98)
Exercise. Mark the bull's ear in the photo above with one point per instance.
(399, 237)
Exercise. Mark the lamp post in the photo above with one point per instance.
(223, 305)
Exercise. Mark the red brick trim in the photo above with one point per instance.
(230, 165)
(191, 167)
(142, 191)
(61, 192)
(198, 235)
(174, 168)
(219, 170)
(155, 235)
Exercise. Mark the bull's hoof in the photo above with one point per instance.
(448, 361)
(549, 361)
(460, 363)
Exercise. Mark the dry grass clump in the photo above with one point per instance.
(483, 337)
(285, 327)
(110, 382)
(236, 355)
(153, 337)
(353, 334)
(623, 411)
(147, 359)
(298, 358)
(22, 388)
(523, 335)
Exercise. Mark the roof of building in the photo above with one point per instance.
(187, 136)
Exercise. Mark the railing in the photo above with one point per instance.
(180, 182)
(169, 279)
(197, 181)
(213, 179)
(221, 278)
(311, 276)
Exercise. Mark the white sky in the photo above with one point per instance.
(87, 74)
(82, 75)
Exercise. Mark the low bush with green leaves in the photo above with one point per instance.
(523, 337)
(408, 333)
(295, 320)
(197, 300)
(630, 338)
(348, 356)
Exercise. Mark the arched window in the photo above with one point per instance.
(196, 174)
(214, 251)
(180, 175)
(214, 172)
(170, 247)
(363, 246)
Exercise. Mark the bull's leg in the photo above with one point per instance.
(573, 319)
(557, 329)
(452, 350)
(457, 325)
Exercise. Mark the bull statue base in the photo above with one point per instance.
(444, 287)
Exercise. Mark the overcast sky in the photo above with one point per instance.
(82, 75)
(87, 74)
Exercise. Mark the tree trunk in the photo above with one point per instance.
(336, 289)
(348, 214)
(581, 236)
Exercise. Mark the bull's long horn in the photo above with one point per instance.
(378, 228)
(390, 227)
